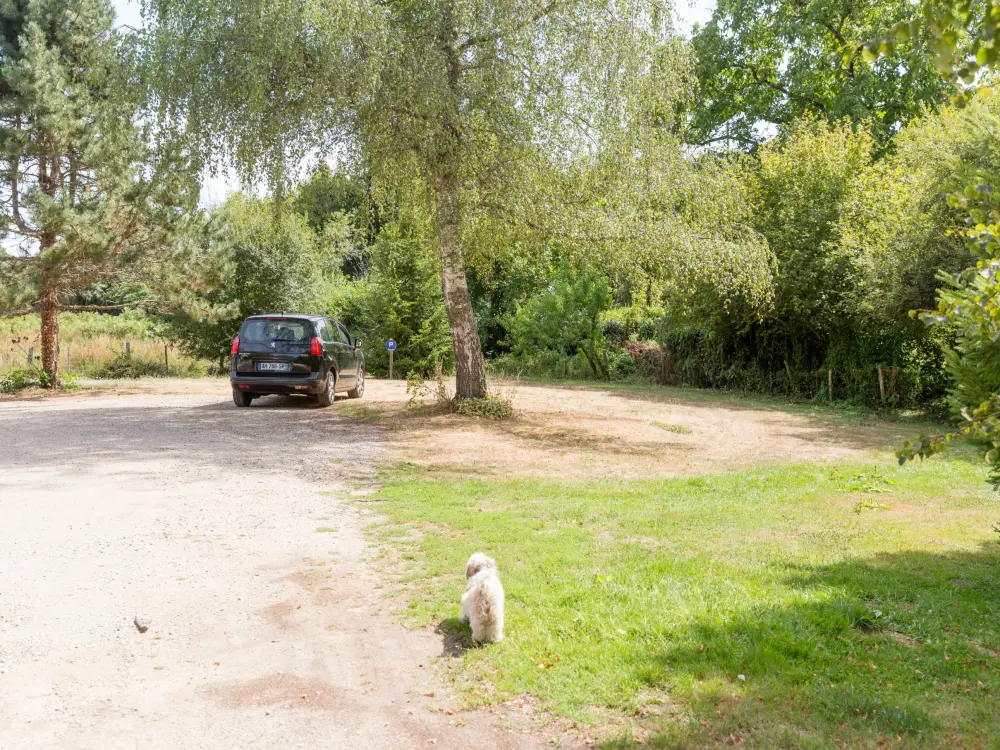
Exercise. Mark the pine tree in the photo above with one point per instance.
(83, 195)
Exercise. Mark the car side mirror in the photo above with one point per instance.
(358, 343)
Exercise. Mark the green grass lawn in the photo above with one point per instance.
(774, 607)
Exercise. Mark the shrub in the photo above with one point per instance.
(400, 299)
(648, 359)
(615, 332)
(122, 367)
(565, 319)
(16, 380)
(621, 366)
(491, 407)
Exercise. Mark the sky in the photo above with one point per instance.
(215, 189)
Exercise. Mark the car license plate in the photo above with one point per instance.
(274, 366)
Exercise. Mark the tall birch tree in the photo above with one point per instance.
(451, 97)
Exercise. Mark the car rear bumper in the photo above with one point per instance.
(311, 385)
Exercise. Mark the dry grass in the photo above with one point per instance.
(86, 355)
(600, 432)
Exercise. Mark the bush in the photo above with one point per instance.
(648, 359)
(615, 332)
(127, 368)
(491, 407)
(17, 380)
(564, 319)
(621, 365)
(400, 299)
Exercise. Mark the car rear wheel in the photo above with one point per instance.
(327, 396)
(359, 389)
(241, 398)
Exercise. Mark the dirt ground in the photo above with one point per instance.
(234, 532)
(628, 432)
(591, 432)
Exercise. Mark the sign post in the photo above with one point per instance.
(390, 346)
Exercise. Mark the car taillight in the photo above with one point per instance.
(316, 348)
(236, 345)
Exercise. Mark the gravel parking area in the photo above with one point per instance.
(231, 533)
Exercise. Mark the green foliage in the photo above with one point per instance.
(802, 182)
(121, 367)
(132, 323)
(896, 232)
(16, 380)
(490, 407)
(845, 264)
(771, 63)
(962, 35)
(565, 318)
(970, 304)
(329, 197)
(13, 381)
(91, 194)
(251, 257)
(400, 298)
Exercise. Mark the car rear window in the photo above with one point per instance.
(265, 330)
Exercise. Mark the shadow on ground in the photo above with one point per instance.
(901, 647)
(208, 433)
(456, 636)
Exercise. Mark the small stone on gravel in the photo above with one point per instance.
(141, 623)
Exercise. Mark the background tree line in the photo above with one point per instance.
(723, 215)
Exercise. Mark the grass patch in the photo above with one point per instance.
(848, 626)
(359, 412)
(325, 529)
(678, 428)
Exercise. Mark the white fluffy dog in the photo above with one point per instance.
(482, 602)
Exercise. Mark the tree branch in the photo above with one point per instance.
(727, 137)
(478, 41)
(15, 207)
(775, 86)
(18, 259)
(100, 308)
(20, 313)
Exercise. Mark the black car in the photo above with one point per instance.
(295, 354)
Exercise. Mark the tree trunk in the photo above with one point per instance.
(590, 361)
(470, 371)
(49, 309)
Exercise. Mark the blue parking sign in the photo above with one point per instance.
(390, 345)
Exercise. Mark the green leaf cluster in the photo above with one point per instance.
(250, 256)
(763, 65)
(565, 318)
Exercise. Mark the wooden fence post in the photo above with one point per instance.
(31, 356)
(69, 357)
(829, 383)
(788, 372)
(128, 350)
(881, 385)
(166, 361)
